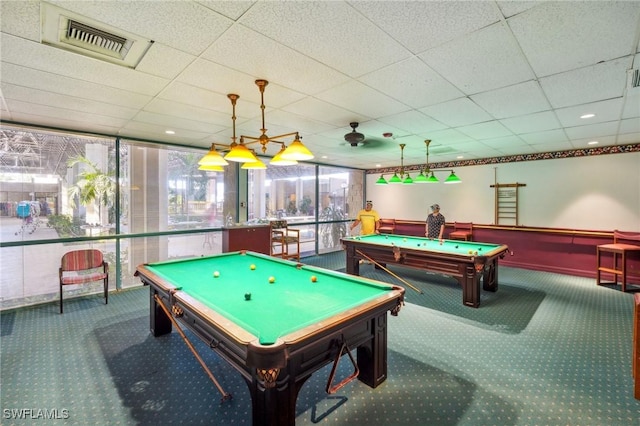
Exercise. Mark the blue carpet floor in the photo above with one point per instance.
(545, 349)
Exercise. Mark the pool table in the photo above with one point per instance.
(275, 321)
(467, 261)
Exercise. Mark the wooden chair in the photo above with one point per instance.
(631, 244)
(285, 241)
(387, 226)
(81, 267)
(462, 231)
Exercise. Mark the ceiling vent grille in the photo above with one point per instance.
(70, 31)
(635, 79)
(85, 34)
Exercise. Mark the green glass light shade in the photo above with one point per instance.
(381, 181)
(395, 179)
(452, 178)
(421, 178)
(432, 179)
(407, 180)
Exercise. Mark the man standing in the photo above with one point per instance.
(369, 219)
(435, 224)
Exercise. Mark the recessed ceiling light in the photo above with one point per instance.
(324, 156)
(587, 116)
(460, 157)
(592, 143)
(378, 165)
(170, 132)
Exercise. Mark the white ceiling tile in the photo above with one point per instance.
(629, 138)
(413, 83)
(631, 125)
(585, 142)
(545, 137)
(413, 122)
(323, 111)
(504, 142)
(458, 112)
(448, 137)
(479, 62)
(163, 122)
(254, 54)
(58, 61)
(201, 98)
(68, 115)
(55, 83)
(21, 19)
(592, 130)
(540, 121)
(604, 81)
(561, 36)
(632, 103)
(511, 101)
(231, 9)
(510, 7)
(488, 130)
(608, 110)
(363, 100)
(552, 146)
(328, 32)
(164, 61)
(420, 25)
(191, 112)
(64, 102)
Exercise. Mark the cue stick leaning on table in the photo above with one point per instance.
(225, 395)
(389, 272)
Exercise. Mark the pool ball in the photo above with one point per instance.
(475, 253)
(470, 251)
(252, 267)
(386, 237)
(418, 244)
(247, 296)
(456, 246)
(216, 274)
(479, 248)
(314, 278)
(272, 280)
(404, 239)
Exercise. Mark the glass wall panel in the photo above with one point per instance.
(340, 194)
(289, 192)
(162, 189)
(55, 185)
(282, 192)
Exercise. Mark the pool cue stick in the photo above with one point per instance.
(225, 395)
(389, 272)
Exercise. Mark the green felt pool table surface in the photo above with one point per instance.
(452, 247)
(292, 302)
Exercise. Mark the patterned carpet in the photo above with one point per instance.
(546, 349)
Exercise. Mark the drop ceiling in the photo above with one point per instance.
(480, 79)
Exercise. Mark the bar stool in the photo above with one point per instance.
(617, 248)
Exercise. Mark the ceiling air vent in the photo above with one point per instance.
(67, 30)
(93, 38)
(635, 78)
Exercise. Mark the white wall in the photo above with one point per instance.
(587, 193)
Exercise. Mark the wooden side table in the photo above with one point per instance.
(621, 249)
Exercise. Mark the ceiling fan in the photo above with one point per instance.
(357, 139)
